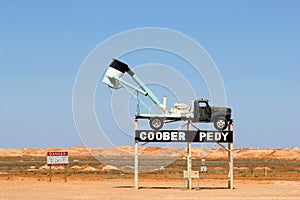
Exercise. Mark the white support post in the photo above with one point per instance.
(230, 160)
(136, 158)
(189, 157)
(165, 105)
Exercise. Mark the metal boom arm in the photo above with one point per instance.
(114, 75)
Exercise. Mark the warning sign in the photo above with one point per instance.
(57, 158)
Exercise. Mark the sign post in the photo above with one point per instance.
(189, 157)
(230, 160)
(136, 159)
(50, 176)
(58, 159)
(203, 166)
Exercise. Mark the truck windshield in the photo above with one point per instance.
(202, 104)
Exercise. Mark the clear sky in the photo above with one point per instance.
(255, 45)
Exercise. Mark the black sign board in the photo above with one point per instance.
(183, 136)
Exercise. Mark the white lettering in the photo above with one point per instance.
(159, 135)
(210, 136)
(225, 136)
(143, 135)
(173, 135)
(181, 136)
(166, 136)
(218, 136)
(150, 135)
(202, 135)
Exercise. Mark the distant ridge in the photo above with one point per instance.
(128, 151)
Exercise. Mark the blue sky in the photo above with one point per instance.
(255, 45)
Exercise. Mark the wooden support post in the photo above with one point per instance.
(65, 174)
(265, 171)
(136, 159)
(230, 160)
(50, 175)
(189, 157)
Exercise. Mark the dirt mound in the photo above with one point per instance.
(10, 152)
(152, 149)
(76, 167)
(110, 168)
(52, 149)
(44, 167)
(102, 165)
(90, 169)
(79, 151)
(241, 168)
(33, 152)
(118, 152)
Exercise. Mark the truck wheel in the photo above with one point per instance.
(156, 123)
(220, 123)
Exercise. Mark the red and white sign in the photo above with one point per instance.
(57, 158)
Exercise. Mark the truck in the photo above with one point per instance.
(198, 111)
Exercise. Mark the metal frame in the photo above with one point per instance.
(229, 149)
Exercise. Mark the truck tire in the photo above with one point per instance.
(156, 123)
(220, 123)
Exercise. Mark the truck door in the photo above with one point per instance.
(205, 112)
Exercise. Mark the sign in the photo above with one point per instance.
(203, 168)
(191, 174)
(183, 136)
(57, 158)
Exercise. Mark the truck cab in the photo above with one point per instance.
(203, 112)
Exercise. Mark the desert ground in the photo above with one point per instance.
(108, 174)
